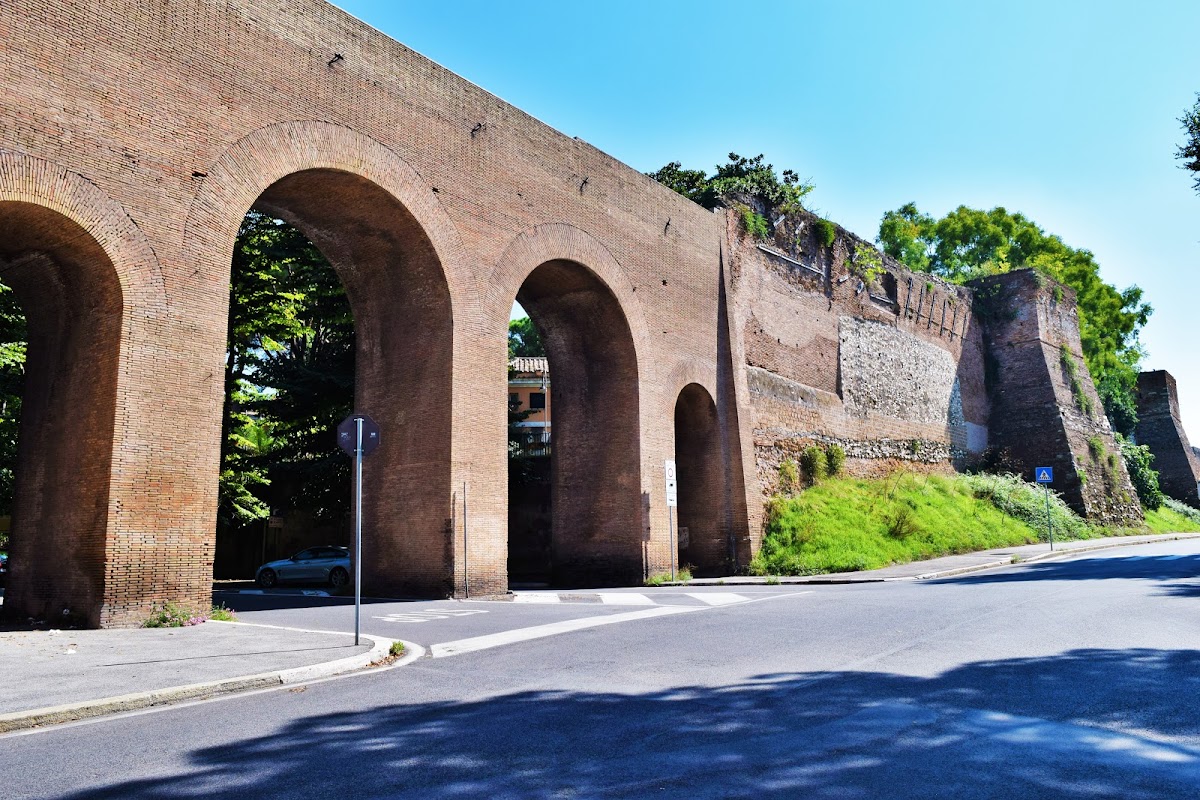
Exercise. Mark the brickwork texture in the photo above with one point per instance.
(134, 137)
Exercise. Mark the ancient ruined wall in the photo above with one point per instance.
(1160, 429)
(1045, 409)
(891, 369)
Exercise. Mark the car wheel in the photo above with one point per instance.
(267, 578)
(338, 577)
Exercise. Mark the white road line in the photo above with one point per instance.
(536, 597)
(718, 598)
(553, 629)
(625, 599)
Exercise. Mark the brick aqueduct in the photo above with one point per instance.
(134, 137)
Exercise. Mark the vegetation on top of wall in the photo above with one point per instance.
(754, 223)
(970, 243)
(866, 263)
(739, 175)
(848, 524)
(826, 231)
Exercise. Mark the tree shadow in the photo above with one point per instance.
(1088, 569)
(1087, 723)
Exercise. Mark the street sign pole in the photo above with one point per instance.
(1045, 476)
(672, 497)
(1049, 525)
(358, 436)
(358, 456)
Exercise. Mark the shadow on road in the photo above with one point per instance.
(1089, 569)
(1088, 723)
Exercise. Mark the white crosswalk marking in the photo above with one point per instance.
(536, 597)
(625, 599)
(718, 598)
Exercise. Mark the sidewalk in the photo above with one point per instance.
(948, 566)
(58, 676)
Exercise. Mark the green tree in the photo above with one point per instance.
(524, 339)
(968, 243)
(13, 336)
(1189, 151)
(289, 377)
(739, 175)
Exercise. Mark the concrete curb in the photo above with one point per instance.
(87, 709)
(834, 579)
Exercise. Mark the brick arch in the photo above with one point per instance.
(683, 373)
(92, 291)
(234, 183)
(559, 241)
(702, 493)
(593, 333)
(26, 179)
(399, 257)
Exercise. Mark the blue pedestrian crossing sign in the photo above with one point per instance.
(1044, 474)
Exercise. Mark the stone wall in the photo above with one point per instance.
(1045, 409)
(891, 371)
(1159, 428)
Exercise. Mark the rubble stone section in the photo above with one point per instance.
(891, 372)
(1160, 429)
(1045, 409)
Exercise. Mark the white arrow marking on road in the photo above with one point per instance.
(718, 598)
(553, 629)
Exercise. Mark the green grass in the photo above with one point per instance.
(1169, 520)
(848, 524)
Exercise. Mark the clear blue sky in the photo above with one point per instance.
(1065, 111)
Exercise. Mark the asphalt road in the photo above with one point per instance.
(1076, 678)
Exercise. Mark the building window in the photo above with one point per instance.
(514, 400)
(537, 399)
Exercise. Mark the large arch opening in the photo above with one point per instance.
(67, 289)
(703, 535)
(596, 527)
(399, 302)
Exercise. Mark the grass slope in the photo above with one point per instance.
(848, 524)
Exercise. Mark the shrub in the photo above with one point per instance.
(1182, 508)
(754, 223)
(789, 477)
(175, 615)
(812, 461)
(835, 457)
(825, 230)
(397, 649)
(1138, 460)
(902, 523)
(1027, 502)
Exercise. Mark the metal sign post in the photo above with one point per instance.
(672, 494)
(1045, 476)
(358, 435)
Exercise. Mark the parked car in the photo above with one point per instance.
(3, 567)
(329, 565)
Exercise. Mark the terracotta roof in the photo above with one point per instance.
(537, 366)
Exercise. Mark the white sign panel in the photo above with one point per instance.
(672, 486)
